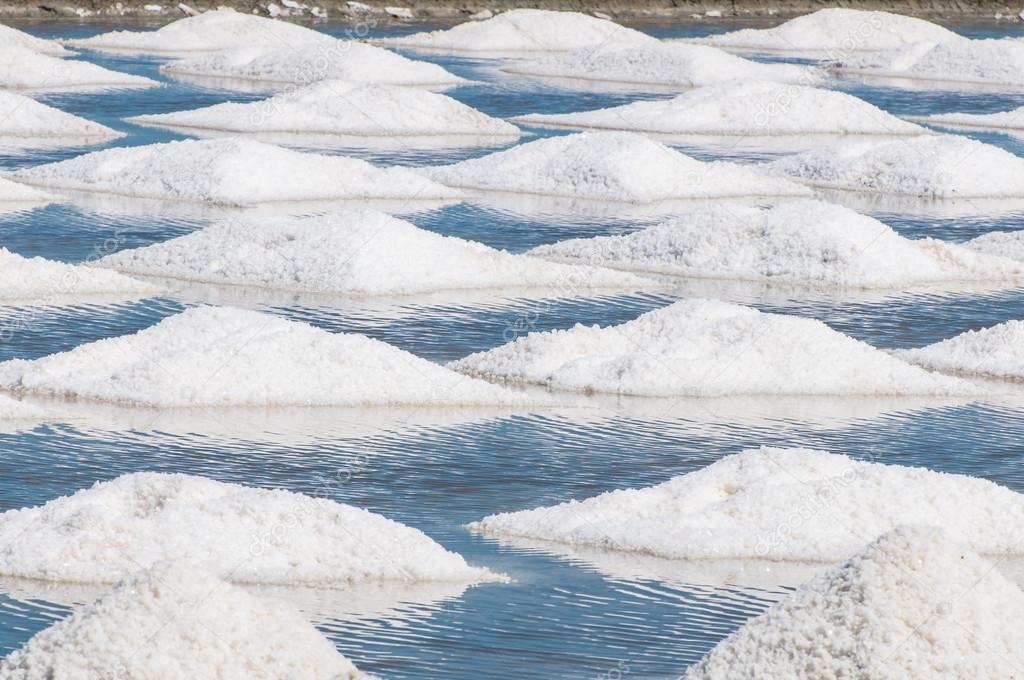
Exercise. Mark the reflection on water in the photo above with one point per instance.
(568, 613)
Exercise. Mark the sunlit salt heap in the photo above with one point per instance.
(609, 166)
(940, 166)
(16, 193)
(172, 621)
(1003, 243)
(742, 108)
(211, 356)
(780, 504)
(1003, 120)
(242, 534)
(809, 242)
(11, 409)
(913, 604)
(336, 108)
(212, 31)
(524, 30)
(706, 348)
(995, 352)
(304, 64)
(23, 69)
(364, 252)
(991, 62)
(663, 64)
(835, 32)
(229, 172)
(13, 37)
(40, 280)
(25, 118)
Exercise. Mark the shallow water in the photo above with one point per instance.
(567, 614)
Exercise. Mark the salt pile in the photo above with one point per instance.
(1003, 120)
(230, 172)
(983, 62)
(336, 108)
(779, 504)
(40, 280)
(13, 37)
(26, 119)
(935, 166)
(176, 622)
(17, 194)
(212, 31)
(913, 604)
(996, 352)
(609, 166)
(304, 64)
(1002, 243)
(364, 252)
(835, 32)
(106, 532)
(210, 356)
(742, 108)
(794, 242)
(23, 69)
(662, 64)
(524, 30)
(706, 348)
(11, 409)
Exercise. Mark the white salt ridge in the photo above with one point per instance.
(609, 166)
(304, 64)
(231, 172)
(742, 108)
(982, 62)
(212, 31)
(807, 242)
(662, 64)
(778, 504)
(41, 280)
(835, 32)
(1003, 120)
(995, 352)
(23, 69)
(364, 252)
(704, 348)
(25, 118)
(13, 37)
(210, 356)
(1008, 244)
(913, 604)
(11, 409)
(16, 193)
(336, 108)
(523, 30)
(242, 534)
(172, 621)
(935, 166)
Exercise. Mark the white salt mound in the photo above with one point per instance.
(11, 409)
(229, 172)
(1001, 243)
(36, 278)
(23, 69)
(1003, 120)
(304, 64)
(609, 166)
(212, 31)
(336, 108)
(995, 352)
(794, 242)
(836, 32)
(524, 30)
(706, 348)
(913, 604)
(14, 37)
(742, 108)
(23, 118)
(210, 356)
(663, 64)
(778, 504)
(106, 532)
(984, 62)
(13, 192)
(172, 621)
(362, 251)
(935, 166)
